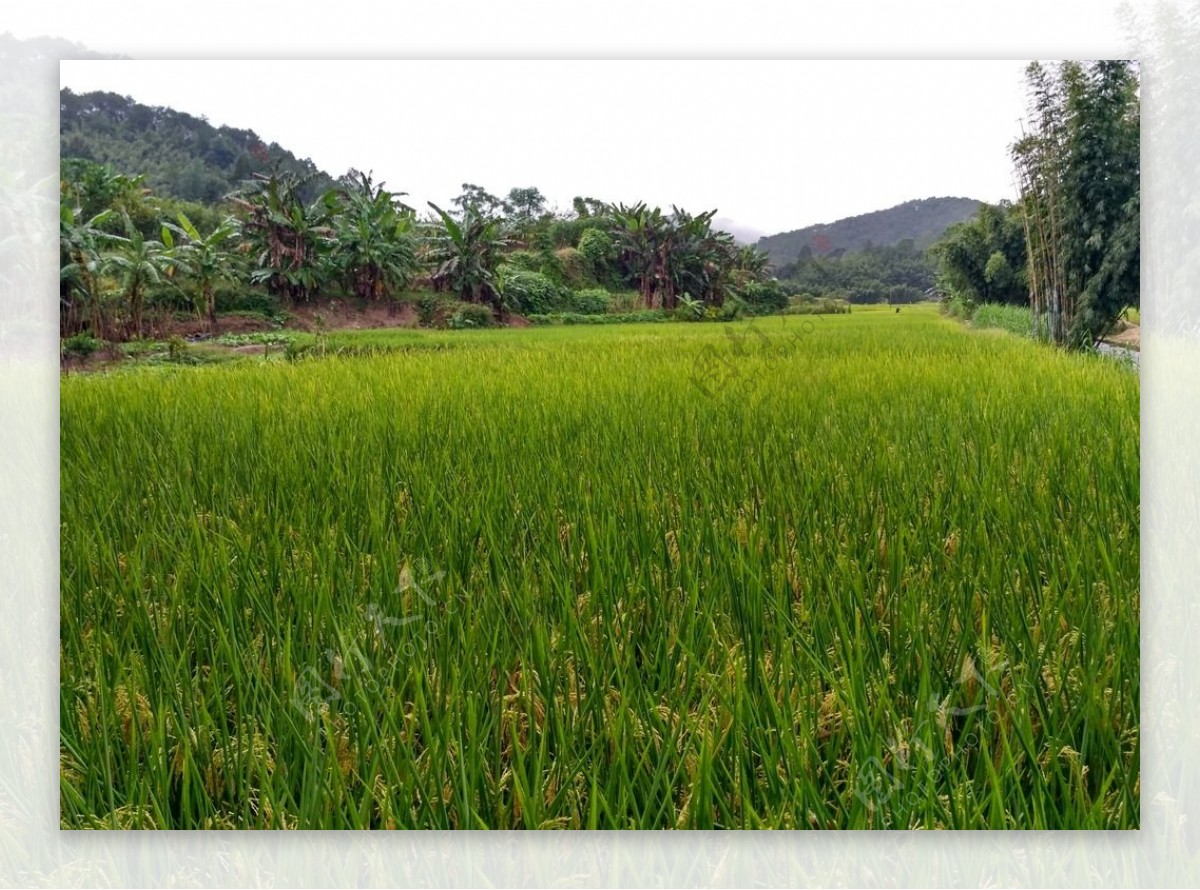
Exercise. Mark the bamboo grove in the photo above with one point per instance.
(1077, 170)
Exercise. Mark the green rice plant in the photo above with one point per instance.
(818, 306)
(1014, 319)
(862, 571)
(575, 318)
(263, 338)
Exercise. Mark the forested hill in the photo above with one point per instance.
(181, 155)
(923, 221)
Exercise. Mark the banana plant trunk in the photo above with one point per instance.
(210, 304)
(135, 310)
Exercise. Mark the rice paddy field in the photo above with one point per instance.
(874, 570)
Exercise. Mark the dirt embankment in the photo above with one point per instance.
(333, 315)
(327, 316)
(341, 315)
(1126, 335)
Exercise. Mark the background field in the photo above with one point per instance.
(874, 570)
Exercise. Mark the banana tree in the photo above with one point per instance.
(206, 259)
(670, 255)
(754, 263)
(374, 242)
(465, 256)
(139, 263)
(287, 237)
(638, 232)
(82, 258)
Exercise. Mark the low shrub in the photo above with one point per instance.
(229, 300)
(179, 353)
(957, 307)
(523, 261)
(590, 301)
(764, 297)
(732, 309)
(530, 293)
(574, 270)
(470, 315)
(625, 301)
(598, 251)
(430, 307)
(80, 345)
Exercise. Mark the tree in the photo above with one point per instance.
(287, 237)
(94, 188)
(181, 155)
(696, 259)
(139, 263)
(465, 255)
(598, 250)
(983, 260)
(205, 258)
(374, 243)
(586, 208)
(526, 209)
(525, 205)
(479, 201)
(1101, 186)
(753, 263)
(1078, 171)
(638, 231)
(665, 256)
(82, 257)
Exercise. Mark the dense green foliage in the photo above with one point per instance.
(529, 293)
(590, 301)
(180, 155)
(983, 260)
(855, 571)
(373, 246)
(897, 274)
(1079, 169)
(470, 315)
(921, 222)
(275, 249)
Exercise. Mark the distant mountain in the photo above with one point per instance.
(46, 49)
(922, 221)
(181, 155)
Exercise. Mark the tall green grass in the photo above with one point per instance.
(878, 571)
(1014, 319)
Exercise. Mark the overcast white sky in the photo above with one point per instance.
(771, 145)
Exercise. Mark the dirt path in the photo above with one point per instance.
(1129, 338)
